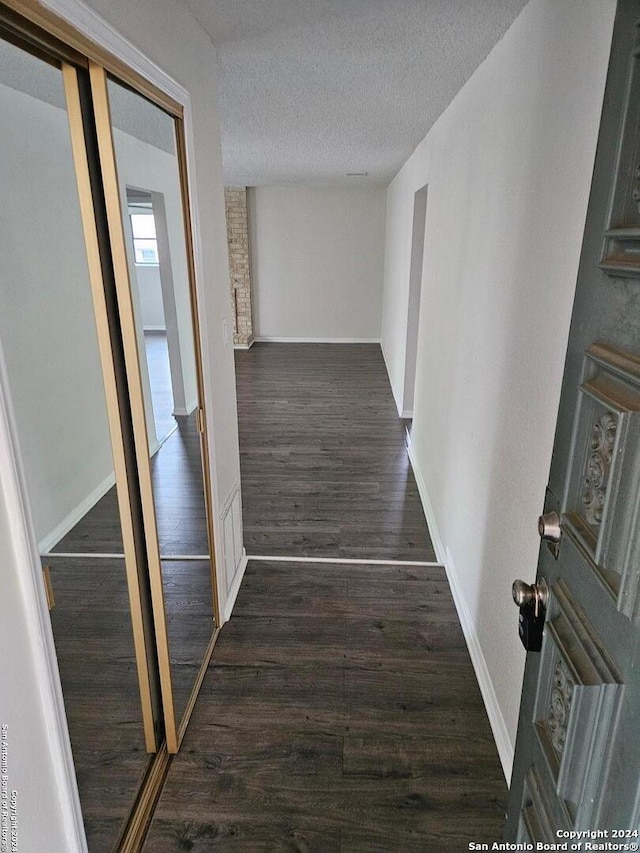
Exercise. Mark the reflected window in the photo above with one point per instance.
(145, 243)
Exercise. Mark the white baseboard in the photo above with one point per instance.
(444, 555)
(498, 725)
(182, 411)
(51, 539)
(234, 589)
(275, 340)
(438, 544)
(245, 346)
(340, 561)
(155, 329)
(407, 413)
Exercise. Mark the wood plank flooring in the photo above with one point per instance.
(93, 634)
(325, 470)
(178, 491)
(340, 713)
(96, 658)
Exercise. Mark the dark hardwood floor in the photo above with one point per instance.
(178, 490)
(325, 470)
(94, 646)
(93, 634)
(340, 713)
(188, 601)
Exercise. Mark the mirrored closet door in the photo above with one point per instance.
(152, 230)
(100, 343)
(57, 350)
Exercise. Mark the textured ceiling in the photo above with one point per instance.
(313, 89)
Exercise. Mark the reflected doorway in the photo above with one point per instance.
(152, 274)
(413, 308)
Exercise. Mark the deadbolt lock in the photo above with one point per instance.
(549, 527)
(532, 599)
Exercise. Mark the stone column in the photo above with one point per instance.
(235, 199)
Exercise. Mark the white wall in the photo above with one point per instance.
(509, 167)
(150, 290)
(46, 323)
(47, 326)
(317, 261)
(30, 697)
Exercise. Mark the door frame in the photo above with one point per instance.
(416, 275)
(44, 658)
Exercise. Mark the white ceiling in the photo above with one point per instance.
(129, 112)
(313, 89)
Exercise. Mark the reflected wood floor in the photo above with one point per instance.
(94, 637)
(94, 646)
(324, 463)
(178, 492)
(340, 713)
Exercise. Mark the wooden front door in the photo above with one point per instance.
(577, 764)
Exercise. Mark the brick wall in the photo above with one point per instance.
(239, 266)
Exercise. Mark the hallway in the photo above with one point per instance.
(340, 711)
(427, 179)
(325, 470)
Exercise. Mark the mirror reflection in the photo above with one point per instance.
(49, 340)
(152, 213)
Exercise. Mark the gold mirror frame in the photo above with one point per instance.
(89, 226)
(174, 729)
(29, 25)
